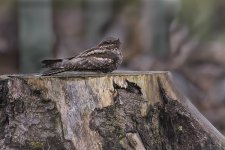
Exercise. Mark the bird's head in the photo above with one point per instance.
(110, 43)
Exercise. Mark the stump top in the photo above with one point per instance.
(88, 74)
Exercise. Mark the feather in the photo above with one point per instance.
(53, 71)
(49, 63)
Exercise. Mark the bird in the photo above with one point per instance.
(103, 58)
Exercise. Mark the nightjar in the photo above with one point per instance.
(105, 57)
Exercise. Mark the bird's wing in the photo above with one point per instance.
(81, 54)
(92, 52)
(92, 59)
(92, 62)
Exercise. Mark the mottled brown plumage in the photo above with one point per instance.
(105, 57)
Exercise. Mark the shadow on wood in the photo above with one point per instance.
(87, 111)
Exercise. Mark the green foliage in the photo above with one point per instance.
(120, 4)
(202, 17)
(2, 2)
(61, 3)
(8, 3)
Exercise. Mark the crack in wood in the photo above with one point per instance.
(168, 125)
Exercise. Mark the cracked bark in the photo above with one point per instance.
(123, 110)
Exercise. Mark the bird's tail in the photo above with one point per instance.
(53, 71)
(51, 63)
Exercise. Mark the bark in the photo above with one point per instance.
(87, 111)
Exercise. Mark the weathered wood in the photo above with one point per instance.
(88, 111)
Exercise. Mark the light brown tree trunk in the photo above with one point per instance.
(87, 111)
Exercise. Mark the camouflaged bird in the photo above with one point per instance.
(105, 57)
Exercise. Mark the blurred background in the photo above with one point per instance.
(184, 36)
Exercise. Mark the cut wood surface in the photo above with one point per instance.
(91, 111)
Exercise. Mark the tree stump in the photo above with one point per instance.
(90, 111)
